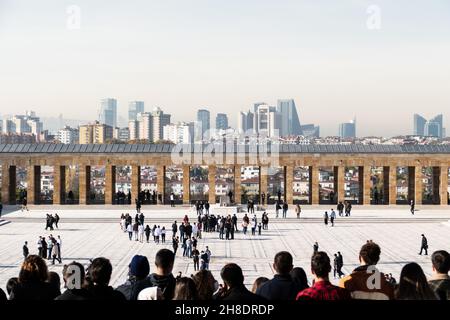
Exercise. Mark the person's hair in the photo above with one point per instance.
(283, 262)
(298, 275)
(441, 261)
(34, 269)
(204, 282)
(185, 289)
(164, 259)
(320, 264)
(66, 272)
(100, 271)
(258, 283)
(11, 284)
(232, 275)
(413, 284)
(54, 280)
(370, 253)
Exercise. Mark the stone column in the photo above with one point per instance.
(443, 186)
(237, 184)
(418, 184)
(5, 183)
(366, 184)
(263, 182)
(186, 184)
(392, 184)
(33, 184)
(436, 185)
(289, 184)
(411, 183)
(314, 184)
(340, 180)
(84, 176)
(160, 182)
(56, 184)
(212, 184)
(110, 184)
(12, 185)
(135, 183)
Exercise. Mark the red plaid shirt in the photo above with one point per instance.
(323, 290)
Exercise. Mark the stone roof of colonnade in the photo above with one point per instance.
(52, 148)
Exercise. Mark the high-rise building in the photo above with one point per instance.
(182, 133)
(133, 129)
(135, 107)
(145, 126)
(203, 125)
(159, 120)
(95, 133)
(347, 129)
(268, 121)
(108, 112)
(221, 121)
(290, 123)
(419, 125)
(432, 128)
(24, 124)
(310, 130)
(68, 135)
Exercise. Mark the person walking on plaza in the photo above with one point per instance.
(175, 242)
(277, 209)
(340, 208)
(335, 265)
(196, 258)
(174, 229)
(259, 228)
(263, 198)
(147, 232)
(325, 218)
(315, 247)
(332, 217)
(55, 253)
(424, 245)
(141, 231)
(208, 252)
(39, 245)
(234, 220)
(25, 250)
(207, 207)
(348, 208)
(56, 220)
(298, 210)
(50, 247)
(285, 209)
(411, 205)
(172, 199)
(130, 231)
(163, 235)
(24, 204)
(59, 244)
(340, 264)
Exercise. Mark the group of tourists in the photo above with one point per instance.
(148, 197)
(122, 197)
(137, 231)
(49, 248)
(35, 282)
(344, 208)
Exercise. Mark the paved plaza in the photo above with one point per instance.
(92, 231)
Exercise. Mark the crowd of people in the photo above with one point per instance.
(35, 282)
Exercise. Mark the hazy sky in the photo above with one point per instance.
(227, 54)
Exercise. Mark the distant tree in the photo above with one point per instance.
(114, 141)
(164, 142)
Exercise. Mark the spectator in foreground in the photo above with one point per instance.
(440, 281)
(299, 276)
(413, 284)
(99, 275)
(138, 278)
(11, 284)
(185, 289)
(357, 281)
(258, 283)
(55, 281)
(233, 288)
(74, 287)
(33, 283)
(206, 284)
(163, 277)
(281, 287)
(322, 289)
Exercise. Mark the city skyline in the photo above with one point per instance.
(350, 68)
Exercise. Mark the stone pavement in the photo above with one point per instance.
(89, 232)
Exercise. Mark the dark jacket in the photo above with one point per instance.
(240, 293)
(281, 287)
(441, 287)
(25, 250)
(165, 283)
(34, 291)
(74, 295)
(132, 287)
(105, 293)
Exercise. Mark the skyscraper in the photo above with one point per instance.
(419, 125)
(159, 120)
(135, 107)
(431, 128)
(108, 112)
(221, 121)
(290, 123)
(245, 122)
(347, 129)
(268, 120)
(203, 125)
